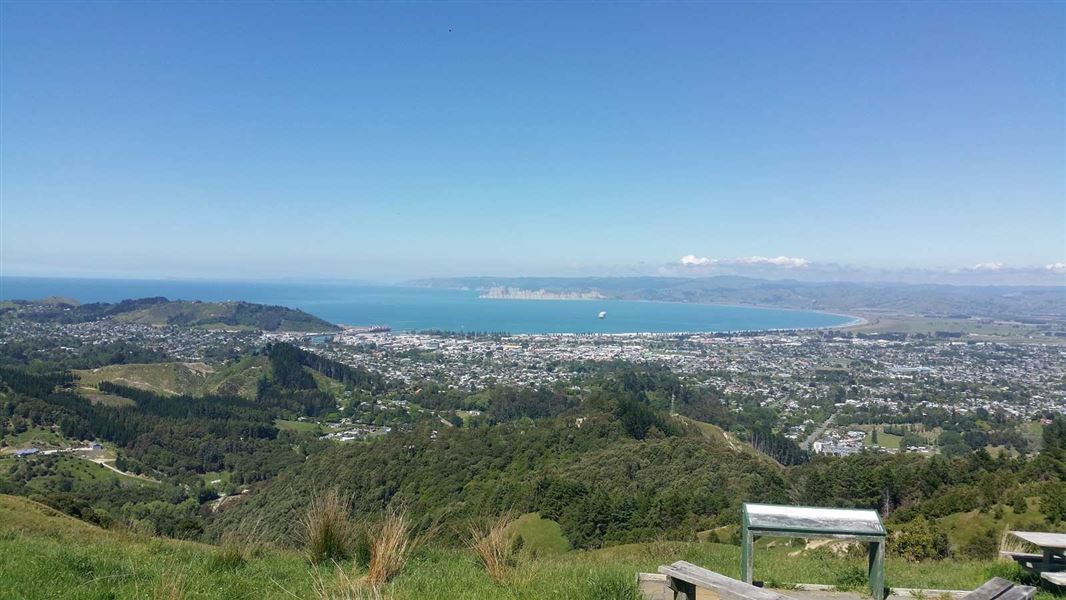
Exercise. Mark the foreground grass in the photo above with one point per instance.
(44, 554)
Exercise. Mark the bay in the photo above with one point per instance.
(406, 308)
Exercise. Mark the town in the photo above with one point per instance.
(819, 382)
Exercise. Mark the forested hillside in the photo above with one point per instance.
(160, 311)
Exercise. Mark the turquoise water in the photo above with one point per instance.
(420, 309)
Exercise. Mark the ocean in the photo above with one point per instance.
(406, 308)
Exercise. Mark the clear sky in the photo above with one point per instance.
(386, 141)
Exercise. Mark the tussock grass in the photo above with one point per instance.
(327, 527)
(390, 547)
(392, 542)
(494, 546)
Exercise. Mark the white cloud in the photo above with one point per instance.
(988, 266)
(790, 262)
(691, 260)
(778, 261)
(1057, 267)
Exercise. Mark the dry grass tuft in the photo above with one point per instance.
(494, 546)
(391, 545)
(327, 528)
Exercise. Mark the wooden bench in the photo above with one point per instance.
(998, 588)
(1028, 560)
(682, 578)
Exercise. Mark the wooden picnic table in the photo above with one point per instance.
(1052, 559)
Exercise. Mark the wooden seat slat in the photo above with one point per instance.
(727, 588)
(992, 589)
(1056, 578)
(1018, 592)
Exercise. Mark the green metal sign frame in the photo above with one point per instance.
(875, 543)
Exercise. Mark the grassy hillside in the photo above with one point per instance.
(47, 554)
(176, 378)
(240, 378)
(76, 560)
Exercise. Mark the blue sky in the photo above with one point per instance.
(387, 141)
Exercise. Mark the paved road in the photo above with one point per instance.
(806, 445)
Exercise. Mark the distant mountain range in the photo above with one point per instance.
(160, 311)
(945, 300)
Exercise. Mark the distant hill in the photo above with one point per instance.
(942, 300)
(161, 311)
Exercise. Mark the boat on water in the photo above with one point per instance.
(603, 314)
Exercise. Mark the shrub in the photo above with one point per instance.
(983, 546)
(1053, 501)
(327, 528)
(851, 577)
(919, 540)
(1019, 504)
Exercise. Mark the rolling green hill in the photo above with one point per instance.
(189, 313)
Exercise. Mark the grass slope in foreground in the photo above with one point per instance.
(45, 554)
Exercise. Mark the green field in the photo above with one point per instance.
(39, 437)
(888, 440)
(297, 425)
(78, 560)
(884, 440)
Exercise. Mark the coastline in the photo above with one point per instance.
(853, 320)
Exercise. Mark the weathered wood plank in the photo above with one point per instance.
(1018, 592)
(726, 588)
(992, 589)
(1022, 555)
(1043, 539)
(1056, 578)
